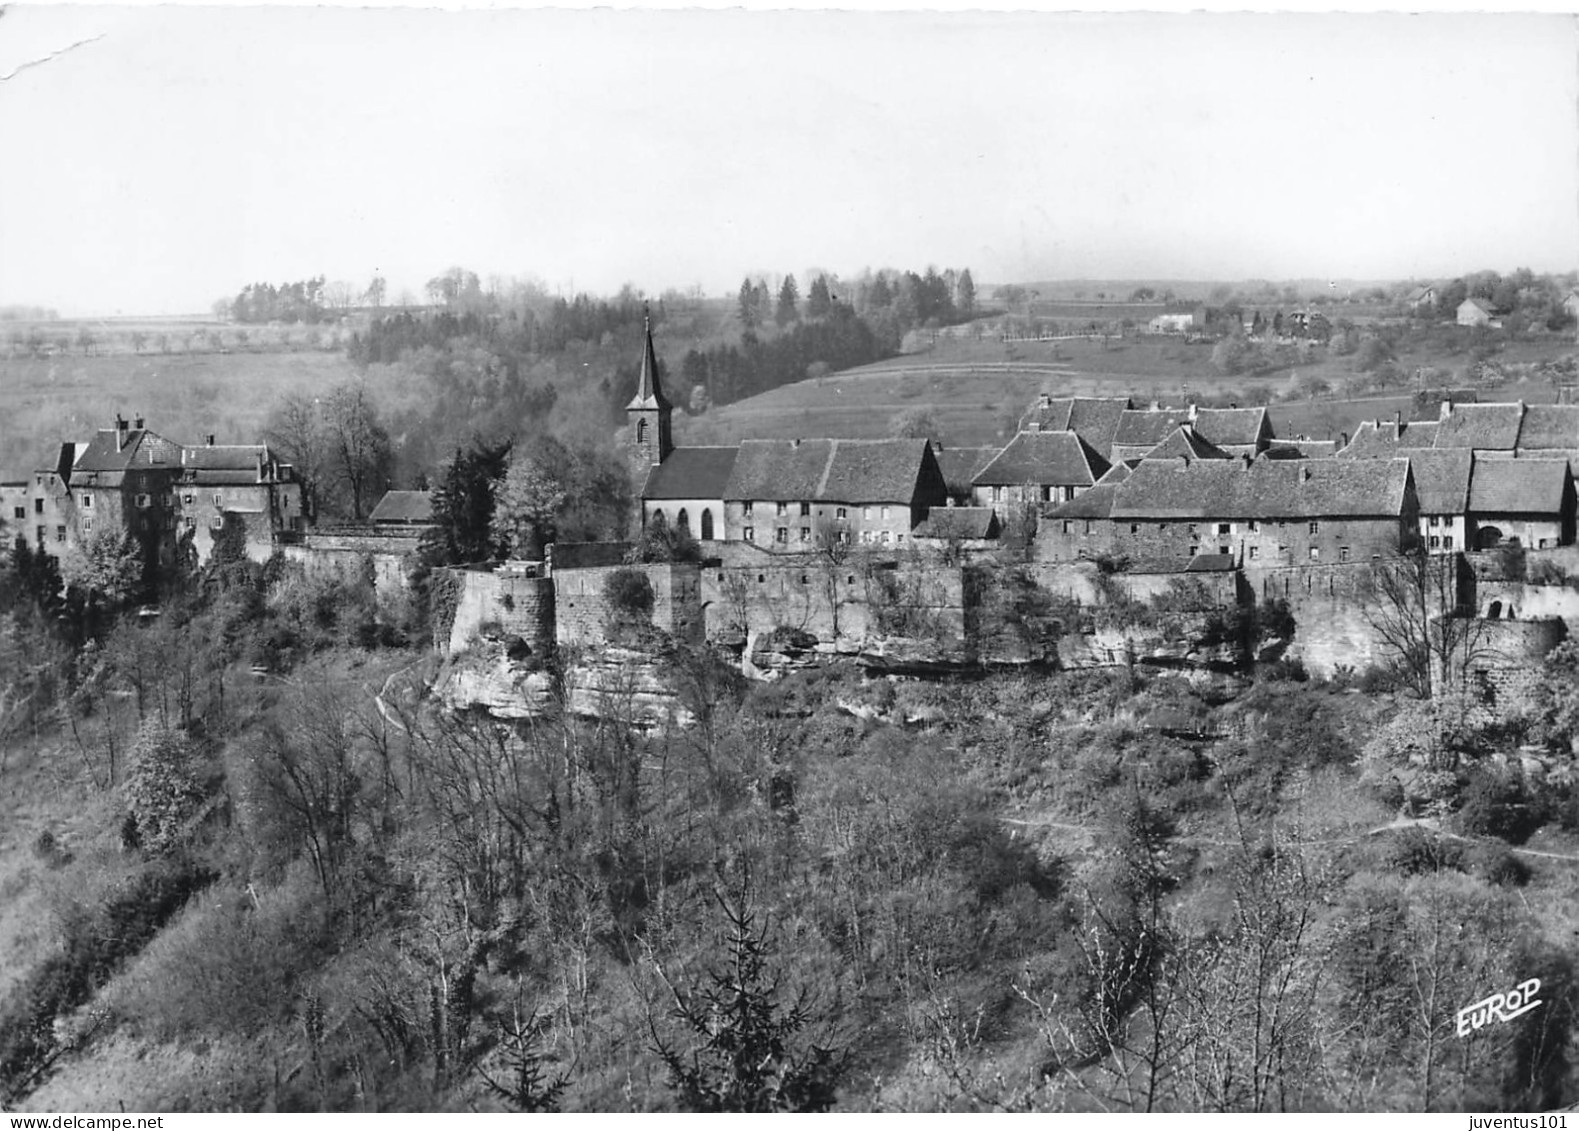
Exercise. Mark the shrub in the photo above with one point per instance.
(1501, 806)
(1417, 852)
(629, 594)
(1504, 869)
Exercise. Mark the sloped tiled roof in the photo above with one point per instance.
(1550, 426)
(403, 506)
(1269, 489)
(1224, 427)
(1093, 419)
(958, 522)
(1518, 486)
(142, 448)
(1184, 443)
(1095, 503)
(1233, 426)
(1442, 479)
(225, 457)
(1118, 472)
(1301, 449)
(960, 465)
(851, 471)
(1059, 459)
(1419, 293)
(1384, 439)
(691, 473)
(1489, 426)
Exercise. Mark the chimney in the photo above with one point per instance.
(1447, 410)
(1045, 400)
(1155, 406)
(1398, 420)
(1034, 426)
(120, 431)
(138, 424)
(1192, 410)
(1345, 437)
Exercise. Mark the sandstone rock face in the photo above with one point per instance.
(486, 678)
(627, 684)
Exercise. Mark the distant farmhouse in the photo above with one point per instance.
(1422, 298)
(1475, 312)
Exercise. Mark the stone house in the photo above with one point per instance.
(1422, 297)
(1037, 467)
(242, 488)
(403, 510)
(1261, 512)
(124, 481)
(865, 492)
(1236, 431)
(1093, 419)
(1525, 502)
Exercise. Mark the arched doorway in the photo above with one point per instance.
(1488, 538)
(707, 524)
(1494, 610)
(682, 521)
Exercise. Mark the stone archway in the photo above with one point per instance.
(1494, 610)
(1488, 538)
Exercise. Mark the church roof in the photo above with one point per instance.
(649, 393)
(691, 473)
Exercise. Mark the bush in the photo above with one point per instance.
(1504, 869)
(1501, 806)
(629, 594)
(1418, 852)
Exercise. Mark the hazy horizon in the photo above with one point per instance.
(177, 154)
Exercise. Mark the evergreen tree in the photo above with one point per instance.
(463, 505)
(965, 295)
(789, 297)
(750, 314)
(818, 300)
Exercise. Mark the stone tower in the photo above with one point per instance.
(649, 413)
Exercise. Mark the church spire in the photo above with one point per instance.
(650, 414)
(649, 393)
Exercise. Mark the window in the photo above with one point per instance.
(1069, 527)
(781, 535)
(899, 537)
(1255, 552)
(219, 499)
(1069, 494)
(749, 533)
(1194, 550)
(1435, 520)
(1447, 541)
(1088, 526)
(745, 509)
(1315, 554)
(20, 512)
(844, 537)
(805, 534)
(145, 501)
(87, 526)
(1047, 496)
(189, 499)
(1315, 528)
(1343, 553)
(1435, 542)
(40, 535)
(60, 533)
(1134, 528)
(866, 512)
(841, 514)
(805, 510)
(38, 506)
(783, 508)
(1255, 525)
(87, 501)
(885, 537)
(1223, 528)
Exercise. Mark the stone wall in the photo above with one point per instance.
(1329, 604)
(393, 556)
(1505, 658)
(511, 598)
(582, 611)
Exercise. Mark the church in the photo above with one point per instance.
(785, 495)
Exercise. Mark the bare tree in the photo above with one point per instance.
(832, 554)
(1415, 604)
(359, 443)
(297, 432)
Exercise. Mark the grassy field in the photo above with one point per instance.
(44, 401)
(976, 390)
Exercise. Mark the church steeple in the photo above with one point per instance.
(649, 412)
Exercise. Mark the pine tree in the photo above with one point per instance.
(789, 297)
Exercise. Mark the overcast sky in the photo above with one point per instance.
(185, 152)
